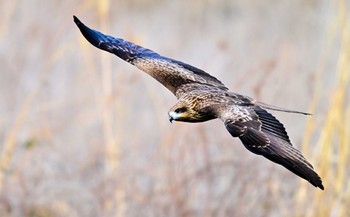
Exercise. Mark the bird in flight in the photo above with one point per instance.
(202, 97)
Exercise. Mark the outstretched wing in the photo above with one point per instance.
(171, 73)
(262, 134)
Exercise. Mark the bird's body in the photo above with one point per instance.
(202, 97)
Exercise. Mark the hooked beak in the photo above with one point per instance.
(172, 116)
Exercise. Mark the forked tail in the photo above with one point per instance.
(276, 108)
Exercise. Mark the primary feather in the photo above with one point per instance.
(171, 73)
(202, 97)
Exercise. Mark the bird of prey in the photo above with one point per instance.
(202, 97)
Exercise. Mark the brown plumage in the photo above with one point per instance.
(202, 97)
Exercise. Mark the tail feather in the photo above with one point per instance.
(276, 108)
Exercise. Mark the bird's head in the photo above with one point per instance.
(181, 112)
(186, 112)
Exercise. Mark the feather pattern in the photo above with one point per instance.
(202, 97)
(266, 136)
(171, 73)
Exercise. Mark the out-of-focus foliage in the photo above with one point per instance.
(85, 134)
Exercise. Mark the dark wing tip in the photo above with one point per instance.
(292, 159)
(320, 186)
(316, 181)
(283, 153)
(94, 37)
(76, 20)
(274, 147)
(123, 49)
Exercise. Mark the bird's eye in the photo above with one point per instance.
(181, 110)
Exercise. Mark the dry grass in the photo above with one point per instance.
(85, 134)
(334, 137)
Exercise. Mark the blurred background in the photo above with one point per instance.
(85, 134)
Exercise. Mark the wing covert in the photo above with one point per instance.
(171, 73)
(262, 134)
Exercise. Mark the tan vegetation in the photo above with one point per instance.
(85, 134)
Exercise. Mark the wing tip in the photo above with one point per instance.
(76, 20)
(317, 183)
(93, 36)
(321, 187)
